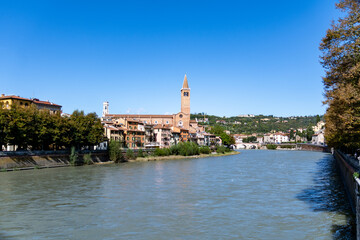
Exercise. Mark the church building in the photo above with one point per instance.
(180, 119)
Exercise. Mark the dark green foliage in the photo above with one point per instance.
(258, 124)
(30, 128)
(175, 149)
(250, 139)
(140, 153)
(288, 146)
(220, 131)
(115, 152)
(74, 157)
(130, 154)
(204, 150)
(87, 159)
(309, 133)
(162, 152)
(188, 149)
(222, 149)
(271, 146)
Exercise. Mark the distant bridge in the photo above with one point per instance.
(299, 146)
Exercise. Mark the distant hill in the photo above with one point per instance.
(257, 123)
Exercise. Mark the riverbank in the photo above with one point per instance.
(17, 163)
(176, 157)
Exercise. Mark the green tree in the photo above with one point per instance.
(227, 139)
(341, 60)
(4, 120)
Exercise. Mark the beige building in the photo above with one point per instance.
(7, 101)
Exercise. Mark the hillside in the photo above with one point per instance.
(257, 124)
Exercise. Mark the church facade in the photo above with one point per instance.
(179, 120)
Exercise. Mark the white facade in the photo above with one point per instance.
(318, 138)
(280, 138)
(320, 125)
(105, 108)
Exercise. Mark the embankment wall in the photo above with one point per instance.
(311, 147)
(47, 159)
(347, 166)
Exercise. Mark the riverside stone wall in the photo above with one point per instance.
(347, 169)
(311, 147)
(48, 159)
(347, 166)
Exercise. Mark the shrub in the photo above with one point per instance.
(87, 159)
(204, 150)
(162, 152)
(175, 149)
(287, 146)
(74, 157)
(115, 152)
(130, 154)
(221, 149)
(140, 153)
(188, 149)
(271, 146)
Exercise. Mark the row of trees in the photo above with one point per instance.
(341, 60)
(30, 128)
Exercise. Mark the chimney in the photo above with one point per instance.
(2, 95)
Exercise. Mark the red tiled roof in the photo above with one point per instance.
(139, 116)
(15, 97)
(30, 100)
(46, 103)
(159, 126)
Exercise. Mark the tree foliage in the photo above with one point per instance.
(30, 128)
(220, 131)
(341, 60)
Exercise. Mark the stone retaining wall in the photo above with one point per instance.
(347, 168)
(49, 160)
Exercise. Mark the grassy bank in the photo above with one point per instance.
(175, 157)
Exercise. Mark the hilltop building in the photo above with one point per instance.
(7, 101)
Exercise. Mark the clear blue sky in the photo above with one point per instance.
(240, 57)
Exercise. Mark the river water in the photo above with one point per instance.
(257, 194)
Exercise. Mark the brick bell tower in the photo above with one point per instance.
(185, 97)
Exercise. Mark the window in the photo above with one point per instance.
(167, 122)
(180, 123)
(156, 122)
(130, 127)
(186, 94)
(128, 138)
(180, 115)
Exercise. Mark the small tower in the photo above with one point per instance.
(185, 97)
(105, 108)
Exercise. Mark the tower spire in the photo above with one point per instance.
(185, 84)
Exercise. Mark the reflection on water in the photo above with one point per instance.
(253, 195)
(328, 194)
